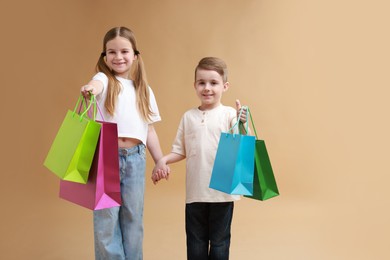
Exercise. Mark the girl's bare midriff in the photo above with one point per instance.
(124, 142)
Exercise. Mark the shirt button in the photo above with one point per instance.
(202, 120)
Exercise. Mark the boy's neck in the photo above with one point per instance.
(203, 107)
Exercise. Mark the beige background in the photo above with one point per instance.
(315, 74)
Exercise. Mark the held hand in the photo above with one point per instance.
(160, 171)
(167, 172)
(243, 117)
(158, 175)
(154, 177)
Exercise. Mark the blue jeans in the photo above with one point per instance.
(208, 230)
(118, 231)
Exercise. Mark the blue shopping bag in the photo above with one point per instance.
(234, 165)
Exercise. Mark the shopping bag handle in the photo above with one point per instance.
(86, 108)
(96, 106)
(253, 124)
(238, 120)
(84, 103)
(100, 111)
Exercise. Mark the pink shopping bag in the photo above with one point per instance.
(103, 187)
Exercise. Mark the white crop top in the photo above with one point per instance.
(129, 121)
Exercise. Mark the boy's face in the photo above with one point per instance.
(209, 87)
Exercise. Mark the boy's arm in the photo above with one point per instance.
(167, 159)
(171, 158)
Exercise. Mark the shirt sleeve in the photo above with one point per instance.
(100, 76)
(153, 106)
(179, 143)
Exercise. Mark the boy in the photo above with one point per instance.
(208, 212)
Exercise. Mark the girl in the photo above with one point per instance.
(120, 84)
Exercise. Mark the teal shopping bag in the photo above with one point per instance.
(233, 166)
(264, 183)
(72, 151)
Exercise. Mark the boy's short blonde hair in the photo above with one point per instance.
(213, 63)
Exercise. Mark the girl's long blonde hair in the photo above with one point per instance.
(138, 75)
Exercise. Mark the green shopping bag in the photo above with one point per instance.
(264, 184)
(72, 151)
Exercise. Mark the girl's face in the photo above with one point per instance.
(120, 56)
(209, 87)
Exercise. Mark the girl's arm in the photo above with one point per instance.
(153, 144)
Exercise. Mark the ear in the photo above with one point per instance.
(226, 86)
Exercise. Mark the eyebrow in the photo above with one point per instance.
(127, 49)
(199, 80)
(208, 80)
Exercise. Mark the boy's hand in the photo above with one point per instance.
(243, 118)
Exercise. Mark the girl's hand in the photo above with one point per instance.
(157, 176)
(160, 174)
(87, 90)
(243, 117)
(94, 87)
(160, 171)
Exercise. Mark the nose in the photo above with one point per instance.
(118, 55)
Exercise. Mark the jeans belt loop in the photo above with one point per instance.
(126, 152)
